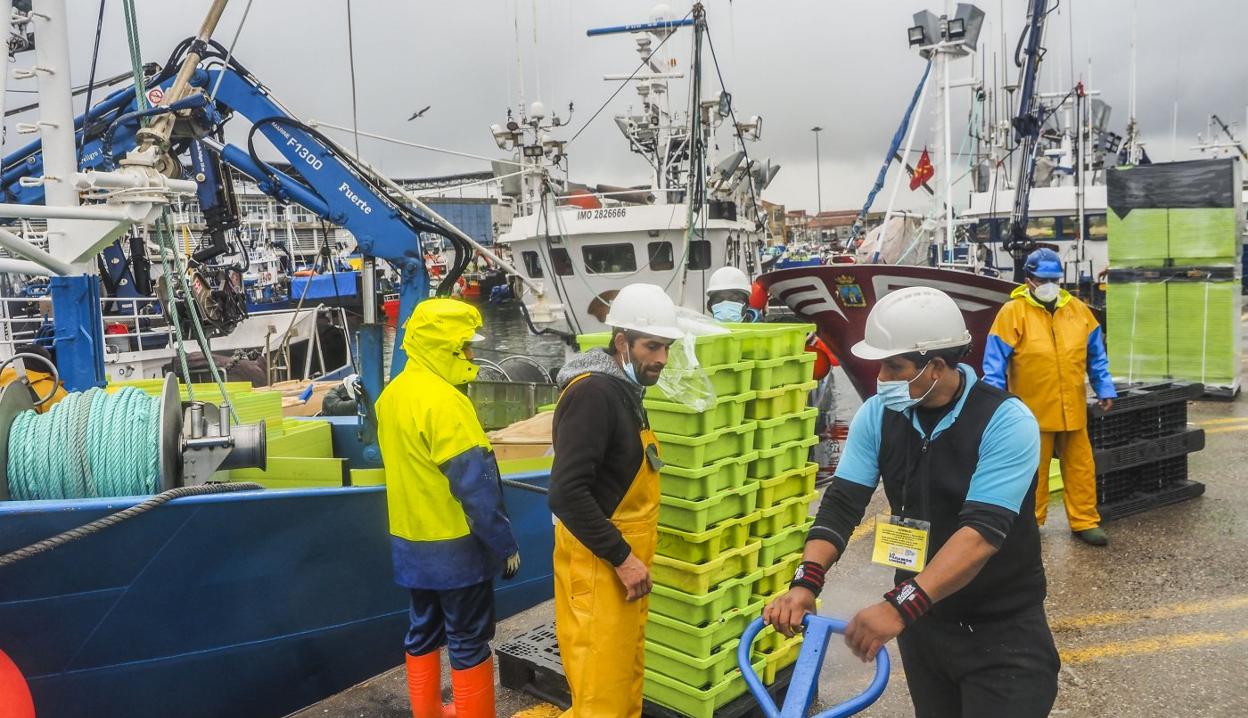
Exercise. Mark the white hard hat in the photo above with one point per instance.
(914, 319)
(726, 278)
(644, 308)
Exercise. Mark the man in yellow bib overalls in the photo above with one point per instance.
(604, 489)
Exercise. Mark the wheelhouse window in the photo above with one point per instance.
(660, 254)
(1042, 228)
(700, 254)
(1098, 229)
(562, 261)
(532, 264)
(609, 258)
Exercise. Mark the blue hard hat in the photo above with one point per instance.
(1043, 264)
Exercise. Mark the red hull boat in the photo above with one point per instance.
(838, 297)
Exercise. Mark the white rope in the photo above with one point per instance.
(1204, 334)
(405, 143)
(355, 116)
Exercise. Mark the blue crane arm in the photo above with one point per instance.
(1027, 124)
(332, 187)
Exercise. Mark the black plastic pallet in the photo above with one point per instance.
(1143, 451)
(530, 662)
(1137, 396)
(1108, 430)
(1115, 486)
(1172, 494)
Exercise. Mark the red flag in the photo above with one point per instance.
(923, 172)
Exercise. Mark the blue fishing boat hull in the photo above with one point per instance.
(247, 604)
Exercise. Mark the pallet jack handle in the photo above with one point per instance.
(806, 673)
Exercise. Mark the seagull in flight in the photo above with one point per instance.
(419, 114)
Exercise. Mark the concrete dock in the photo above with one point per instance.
(1156, 624)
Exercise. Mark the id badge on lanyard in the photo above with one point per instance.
(901, 542)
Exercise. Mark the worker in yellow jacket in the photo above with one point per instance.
(450, 534)
(1041, 346)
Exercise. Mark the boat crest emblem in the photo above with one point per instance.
(850, 292)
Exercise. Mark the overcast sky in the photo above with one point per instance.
(840, 64)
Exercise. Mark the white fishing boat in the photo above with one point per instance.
(576, 245)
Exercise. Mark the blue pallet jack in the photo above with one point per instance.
(806, 673)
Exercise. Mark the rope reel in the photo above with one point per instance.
(95, 444)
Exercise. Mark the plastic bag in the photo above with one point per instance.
(683, 380)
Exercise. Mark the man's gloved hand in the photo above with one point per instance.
(351, 383)
(512, 566)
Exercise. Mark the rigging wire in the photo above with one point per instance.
(732, 114)
(355, 115)
(95, 55)
(625, 81)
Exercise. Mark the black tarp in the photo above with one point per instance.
(1194, 184)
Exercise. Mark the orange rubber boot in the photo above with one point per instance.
(424, 685)
(474, 690)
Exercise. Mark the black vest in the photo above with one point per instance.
(929, 480)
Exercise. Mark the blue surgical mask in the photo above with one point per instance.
(629, 370)
(896, 394)
(728, 311)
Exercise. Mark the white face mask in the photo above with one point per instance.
(1046, 292)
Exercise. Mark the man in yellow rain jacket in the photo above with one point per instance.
(449, 532)
(42, 383)
(604, 490)
(1042, 345)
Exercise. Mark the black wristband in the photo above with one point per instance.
(810, 576)
(910, 600)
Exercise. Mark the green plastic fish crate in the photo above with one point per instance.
(701, 641)
(779, 658)
(702, 609)
(705, 545)
(700, 578)
(771, 403)
(1140, 239)
(773, 373)
(1204, 330)
(784, 542)
(700, 673)
(698, 516)
(671, 417)
(780, 459)
(794, 482)
(772, 340)
(1137, 339)
(783, 429)
(726, 380)
(695, 484)
(711, 349)
(778, 576)
(692, 452)
(787, 513)
(1203, 232)
(695, 702)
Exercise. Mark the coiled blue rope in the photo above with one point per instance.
(91, 444)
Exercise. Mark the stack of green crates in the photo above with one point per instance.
(736, 488)
(1176, 237)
